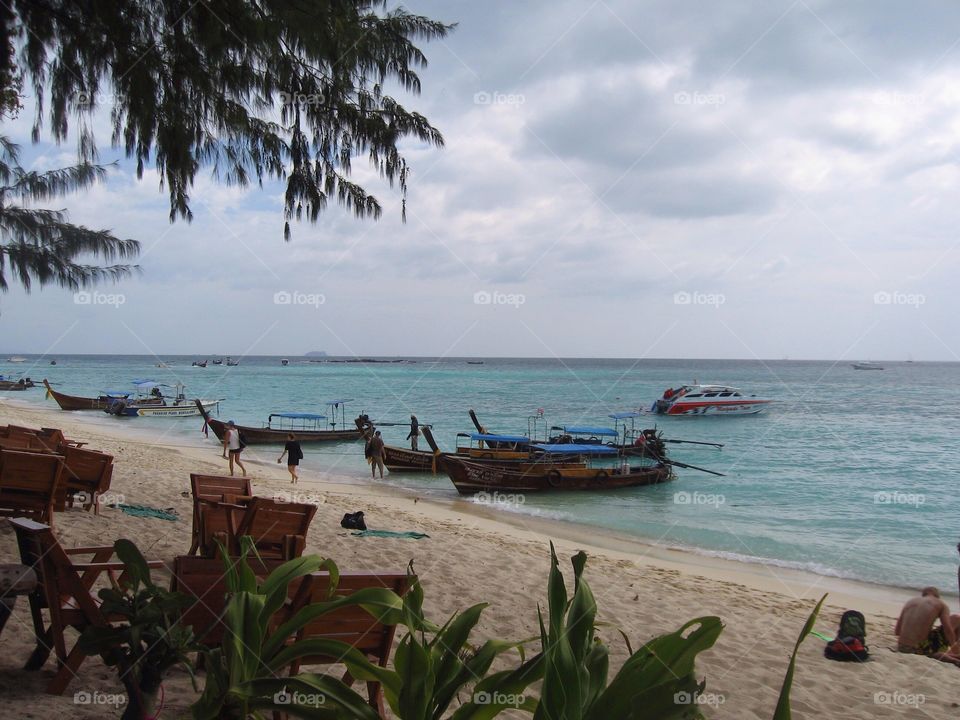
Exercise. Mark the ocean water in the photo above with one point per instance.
(850, 473)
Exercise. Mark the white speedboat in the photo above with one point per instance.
(867, 366)
(708, 400)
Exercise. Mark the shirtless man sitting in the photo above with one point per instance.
(915, 631)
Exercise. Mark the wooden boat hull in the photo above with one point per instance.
(269, 436)
(397, 459)
(15, 386)
(72, 402)
(470, 477)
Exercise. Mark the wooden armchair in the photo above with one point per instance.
(87, 475)
(278, 529)
(66, 591)
(215, 488)
(204, 579)
(351, 625)
(29, 484)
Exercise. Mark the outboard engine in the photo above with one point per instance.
(116, 407)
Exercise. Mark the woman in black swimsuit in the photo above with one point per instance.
(294, 455)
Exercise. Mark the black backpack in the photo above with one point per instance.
(850, 642)
(353, 521)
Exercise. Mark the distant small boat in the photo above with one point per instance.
(199, 363)
(866, 366)
(284, 362)
(217, 362)
(17, 359)
(232, 363)
(53, 362)
(474, 362)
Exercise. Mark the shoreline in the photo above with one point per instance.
(763, 575)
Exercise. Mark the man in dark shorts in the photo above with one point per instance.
(916, 634)
(294, 455)
(376, 451)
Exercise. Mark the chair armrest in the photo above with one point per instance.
(87, 550)
(156, 564)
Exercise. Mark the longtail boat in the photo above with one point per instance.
(471, 477)
(101, 402)
(21, 384)
(305, 426)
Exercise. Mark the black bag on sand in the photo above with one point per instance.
(850, 642)
(353, 521)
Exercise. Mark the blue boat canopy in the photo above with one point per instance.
(500, 438)
(338, 402)
(588, 430)
(298, 416)
(627, 415)
(575, 449)
(144, 381)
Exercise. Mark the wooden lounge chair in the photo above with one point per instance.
(15, 580)
(351, 625)
(87, 475)
(29, 484)
(278, 529)
(204, 579)
(217, 488)
(66, 591)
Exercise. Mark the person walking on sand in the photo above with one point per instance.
(414, 432)
(231, 444)
(376, 451)
(916, 634)
(294, 455)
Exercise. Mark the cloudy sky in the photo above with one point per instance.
(620, 179)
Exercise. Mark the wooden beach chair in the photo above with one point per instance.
(216, 488)
(87, 475)
(204, 579)
(29, 484)
(351, 625)
(66, 591)
(278, 529)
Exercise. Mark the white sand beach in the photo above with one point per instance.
(475, 554)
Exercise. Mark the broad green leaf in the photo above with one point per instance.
(783, 702)
(134, 563)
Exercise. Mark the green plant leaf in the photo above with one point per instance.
(357, 663)
(135, 565)
(783, 702)
(503, 685)
(339, 701)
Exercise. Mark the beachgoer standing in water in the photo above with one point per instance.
(376, 450)
(916, 634)
(231, 443)
(294, 455)
(414, 432)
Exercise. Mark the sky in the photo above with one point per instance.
(620, 179)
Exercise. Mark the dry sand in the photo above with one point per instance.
(476, 554)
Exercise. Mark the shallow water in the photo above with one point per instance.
(850, 473)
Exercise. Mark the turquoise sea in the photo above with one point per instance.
(850, 473)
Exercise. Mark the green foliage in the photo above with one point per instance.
(783, 703)
(657, 681)
(39, 245)
(149, 640)
(252, 90)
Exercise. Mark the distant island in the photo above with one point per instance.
(316, 353)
